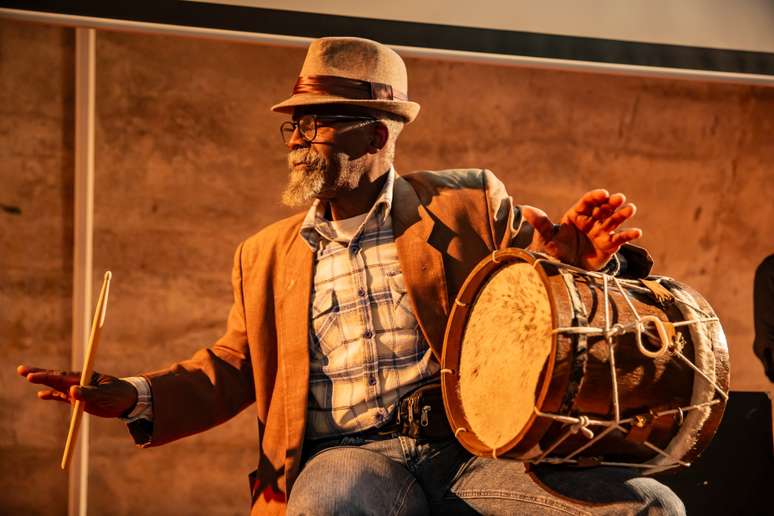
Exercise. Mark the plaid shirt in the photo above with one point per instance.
(366, 348)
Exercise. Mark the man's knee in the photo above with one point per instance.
(351, 480)
(616, 486)
(656, 497)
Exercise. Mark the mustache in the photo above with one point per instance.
(308, 157)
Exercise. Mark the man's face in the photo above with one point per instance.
(336, 161)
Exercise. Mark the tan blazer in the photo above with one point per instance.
(443, 225)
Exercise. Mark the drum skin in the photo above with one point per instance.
(574, 383)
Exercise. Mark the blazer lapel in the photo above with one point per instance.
(294, 346)
(421, 263)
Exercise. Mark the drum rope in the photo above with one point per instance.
(638, 327)
(665, 454)
(572, 420)
(650, 467)
(631, 285)
(582, 423)
(694, 321)
(701, 373)
(665, 343)
(593, 441)
(611, 346)
(556, 443)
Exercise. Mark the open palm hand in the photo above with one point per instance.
(589, 233)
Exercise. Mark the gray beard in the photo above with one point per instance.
(307, 181)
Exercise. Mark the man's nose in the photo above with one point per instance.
(296, 141)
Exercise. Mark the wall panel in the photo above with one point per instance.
(36, 234)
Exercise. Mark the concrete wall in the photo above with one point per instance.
(36, 235)
(190, 162)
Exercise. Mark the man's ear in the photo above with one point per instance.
(378, 138)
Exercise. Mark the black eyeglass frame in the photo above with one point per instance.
(290, 126)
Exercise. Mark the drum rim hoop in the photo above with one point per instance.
(452, 344)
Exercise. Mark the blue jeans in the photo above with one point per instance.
(399, 475)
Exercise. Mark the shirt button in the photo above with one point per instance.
(355, 248)
(371, 380)
(368, 334)
(361, 292)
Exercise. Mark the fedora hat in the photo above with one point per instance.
(352, 71)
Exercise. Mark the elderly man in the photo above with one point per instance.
(339, 314)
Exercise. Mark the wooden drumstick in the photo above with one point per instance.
(88, 366)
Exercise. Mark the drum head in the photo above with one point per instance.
(498, 346)
(506, 344)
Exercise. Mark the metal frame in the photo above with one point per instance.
(83, 245)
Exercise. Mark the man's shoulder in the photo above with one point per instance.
(277, 234)
(452, 178)
(432, 184)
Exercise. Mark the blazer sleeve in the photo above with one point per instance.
(214, 385)
(509, 229)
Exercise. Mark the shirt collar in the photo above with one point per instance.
(316, 226)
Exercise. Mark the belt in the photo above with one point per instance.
(420, 415)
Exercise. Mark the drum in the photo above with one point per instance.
(545, 362)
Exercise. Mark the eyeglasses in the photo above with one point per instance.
(307, 125)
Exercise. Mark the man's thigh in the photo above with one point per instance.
(349, 480)
(489, 486)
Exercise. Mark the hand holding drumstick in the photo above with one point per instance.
(100, 395)
(105, 396)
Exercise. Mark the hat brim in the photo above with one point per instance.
(404, 108)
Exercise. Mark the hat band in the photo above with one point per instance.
(347, 88)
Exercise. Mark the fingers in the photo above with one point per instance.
(599, 203)
(56, 379)
(627, 235)
(539, 220)
(590, 200)
(614, 220)
(605, 209)
(51, 394)
(87, 395)
(598, 212)
(59, 380)
(75, 393)
(24, 370)
(84, 394)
